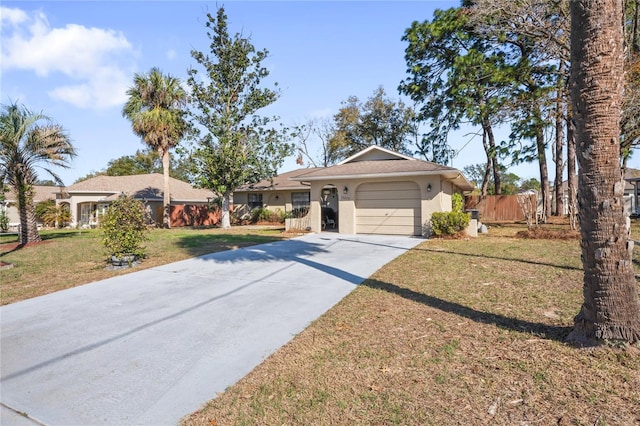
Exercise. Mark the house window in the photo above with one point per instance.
(300, 202)
(254, 201)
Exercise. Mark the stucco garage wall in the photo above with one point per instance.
(438, 199)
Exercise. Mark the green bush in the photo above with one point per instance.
(4, 221)
(57, 214)
(42, 208)
(265, 215)
(124, 227)
(449, 223)
(457, 202)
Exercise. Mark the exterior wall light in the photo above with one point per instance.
(429, 188)
(345, 190)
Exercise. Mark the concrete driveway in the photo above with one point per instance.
(149, 347)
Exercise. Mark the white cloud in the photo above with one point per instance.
(94, 60)
(9, 16)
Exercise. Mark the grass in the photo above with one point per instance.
(67, 258)
(452, 332)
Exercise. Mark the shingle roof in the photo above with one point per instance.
(366, 168)
(631, 174)
(148, 186)
(386, 168)
(281, 182)
(42, 193)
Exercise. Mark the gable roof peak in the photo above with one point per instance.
(376, 153)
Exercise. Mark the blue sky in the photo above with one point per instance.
(74, 60)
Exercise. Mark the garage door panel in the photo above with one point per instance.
(387, 230)
(391, 208)
(395, 220)
(408, 212)
(388, 205)
(388, 195)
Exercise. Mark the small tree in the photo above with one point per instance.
(58, 215)
(124, 227)
(235, 145)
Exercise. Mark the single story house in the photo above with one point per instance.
(376, 191)
(89, 199)
(10, 205)
(632, 190)
(631, 195)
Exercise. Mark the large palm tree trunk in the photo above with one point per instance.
(166, 215)
(28, 222)
(611, 308)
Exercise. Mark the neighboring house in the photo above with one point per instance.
(10, 205)
(632, 190)
(376, 191)
(88, 200)
(631, 193)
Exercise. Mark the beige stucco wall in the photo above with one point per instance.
(75, 201)
(272, 200)
(438, 199)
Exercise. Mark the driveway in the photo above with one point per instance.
(149, 347)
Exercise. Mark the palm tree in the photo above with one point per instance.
(29, 141)
(155, 111)
(611, 308)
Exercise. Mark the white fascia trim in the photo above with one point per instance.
(452, 175)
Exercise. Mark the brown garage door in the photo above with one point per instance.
(388, 208)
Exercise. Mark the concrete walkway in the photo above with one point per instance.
(149, 347)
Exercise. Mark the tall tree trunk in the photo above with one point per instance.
(225, 221)
(572, 176)
(485, 179)
(544, 174)
(611, 308)
(487, 169)
(559, 148)
(494, 159)
(166, 201)
(28, 222)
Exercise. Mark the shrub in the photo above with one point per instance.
(265, 215)
(449, 223)
(457, 202)
(57, 214)
(124, 227)
(4, 221)
(42, 208)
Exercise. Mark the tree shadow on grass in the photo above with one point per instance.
(199, 245)
(541, 330)
(485, 256)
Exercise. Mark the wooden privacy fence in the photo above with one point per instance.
(194, 215)
(496, 208)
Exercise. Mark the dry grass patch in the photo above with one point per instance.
(452, 332)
